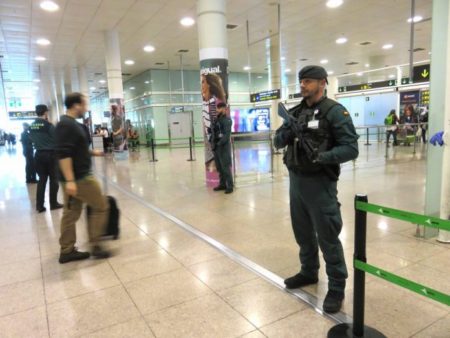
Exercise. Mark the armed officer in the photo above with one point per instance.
(319, 137)
(42, 134)
(222, 148)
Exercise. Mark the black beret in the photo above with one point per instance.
(313, 72)
(41, 109)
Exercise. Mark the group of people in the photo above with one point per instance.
(7, 139)
(63, 154)
(320, 137)
(412, 125)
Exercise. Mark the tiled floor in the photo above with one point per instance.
(165, 282)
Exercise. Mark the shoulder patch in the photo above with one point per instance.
(346, 113)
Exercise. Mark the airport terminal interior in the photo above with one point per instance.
(196, 255)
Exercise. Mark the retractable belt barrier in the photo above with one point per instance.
(362, 207)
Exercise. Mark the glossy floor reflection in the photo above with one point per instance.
(164, 282)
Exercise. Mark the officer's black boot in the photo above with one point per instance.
(220, 187)
(299, 281)
(333, 301)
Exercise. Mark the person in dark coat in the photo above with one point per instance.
(28, 152)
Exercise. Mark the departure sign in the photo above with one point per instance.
(22, 115)
(425, 97)
(365, 86)
(295, 96)
(265, 96)
(421, 73)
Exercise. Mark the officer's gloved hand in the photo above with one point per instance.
(437, 138)
(315, 156)
(287, 134)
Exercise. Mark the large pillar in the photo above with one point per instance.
(115, 88)
(83, 81)
(275, 73)
(212, 37)
(74, 80)
(332, 87)
(437, 195)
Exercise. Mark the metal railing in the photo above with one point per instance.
(360, 265)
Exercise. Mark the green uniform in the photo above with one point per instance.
(42, 134)
(222, 150)
(315, 210)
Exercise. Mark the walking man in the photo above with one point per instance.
(80, 186)
(42, 134)
(319, 138)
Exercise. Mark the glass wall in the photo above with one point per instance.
(151, 95)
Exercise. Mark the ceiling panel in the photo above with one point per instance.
(309, 30)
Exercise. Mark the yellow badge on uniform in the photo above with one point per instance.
(346, 113)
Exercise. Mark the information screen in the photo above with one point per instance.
(250, 120)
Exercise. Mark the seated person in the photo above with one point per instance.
(133, 137)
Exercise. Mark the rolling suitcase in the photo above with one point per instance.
(112, 228)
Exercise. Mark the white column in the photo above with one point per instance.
(332, 87)
(83, 81)
(275, 80)
(113, 65)
(437, 196)
(74, 80)
(213, 52)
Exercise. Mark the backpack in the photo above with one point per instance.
(389, 120)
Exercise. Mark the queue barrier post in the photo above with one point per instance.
(152, 144)
(191, 146)
(367, 137)
(357, 328)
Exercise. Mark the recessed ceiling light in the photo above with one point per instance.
(36, 80)
(102, 81)
(330, 72)
(49, 6)
(391, 76)
(359, 74)
(129, 62)
(334, 3)
(247, 68)
(92, 88)
(132, 88)
(40, 58)
(187, 21)
(149, 49)
(282, 58)
(259, 77)
(147, 82)
(417, 18)
(287, 70)
(367, 65)
(341, 40)
(324, 61)
(388, 46)
(43, 42)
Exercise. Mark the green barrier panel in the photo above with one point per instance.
(404, 283)
(427, 221)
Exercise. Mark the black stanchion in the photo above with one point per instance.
(191, 145)
(367, 137)
(152, 144)
(358, 329)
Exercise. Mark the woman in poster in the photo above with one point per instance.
(212, 93)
